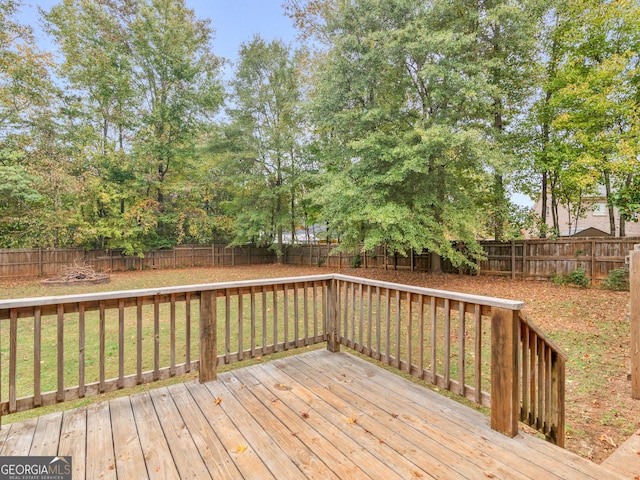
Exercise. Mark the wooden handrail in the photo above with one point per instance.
(445, 338)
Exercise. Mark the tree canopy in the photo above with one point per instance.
(398, 122)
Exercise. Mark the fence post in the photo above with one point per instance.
(505, 401)
(208, 336)
(513, 259)
(333, 344)
(593, 262)
(634, 319)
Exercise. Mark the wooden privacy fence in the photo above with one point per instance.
(481, 348)
(522, 259)
(48, 262)
(542, 259)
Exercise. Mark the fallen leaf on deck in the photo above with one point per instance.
(218, 400)
(351, 420)
(489, 474)
(417, 474)
(304, 414)
(394, 415)
(241, 448)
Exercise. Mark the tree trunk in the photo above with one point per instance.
(612, 218)
(543, 213)
(436, 263)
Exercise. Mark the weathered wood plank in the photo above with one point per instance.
(522, 453)
(101, 461)
(274, 457)
(128, 453)
(212, 451)
(397, 452)
(247, 461)
(329, 422)
(73, 440)
(326, 440)
(157, 454)
(178, 438)
(20, 438)
(47, 435)
(301, 454)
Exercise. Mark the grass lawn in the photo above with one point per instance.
(590, 325)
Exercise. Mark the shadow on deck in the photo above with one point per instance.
(314, 415)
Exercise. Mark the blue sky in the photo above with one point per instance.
(234, 21)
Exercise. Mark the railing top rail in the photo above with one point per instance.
(150, 292)
(461, 297)
(550, 343)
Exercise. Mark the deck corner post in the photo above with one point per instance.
(634, 320)
(333, 343)
(208, 336)
(505, 401)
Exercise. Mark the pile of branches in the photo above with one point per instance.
(78, 271)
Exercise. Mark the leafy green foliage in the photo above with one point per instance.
(577, 277)
(617, 280)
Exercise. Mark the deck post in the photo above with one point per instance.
(208, 336)
(333, 344)
(634, 320)
(505, 402)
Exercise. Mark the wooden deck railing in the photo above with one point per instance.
(481, 348)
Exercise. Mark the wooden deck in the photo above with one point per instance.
(315, 415)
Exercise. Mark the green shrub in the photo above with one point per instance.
(356, 261)
(618, 280)
(578, 277)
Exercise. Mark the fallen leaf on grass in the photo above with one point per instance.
(241, 448)
(606, 438)
(218, 400)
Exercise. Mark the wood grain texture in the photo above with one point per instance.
(313, 415)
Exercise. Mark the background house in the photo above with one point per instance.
(594, 222)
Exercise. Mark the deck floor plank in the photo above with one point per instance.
(466, 423)
(73, 440)
(214, 455)
(20, 438)
(160, 463)
(423, 451)
(101, 462)
(47, 435)
(247, 462)
(315, 415)
(430, 434)
(182, 446)
(300, 453)
(130, 461)
(376, 456)
(276, 459)
(325, 439)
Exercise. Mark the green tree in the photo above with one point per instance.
(396, 104)
(264, 174)
(150, 88)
